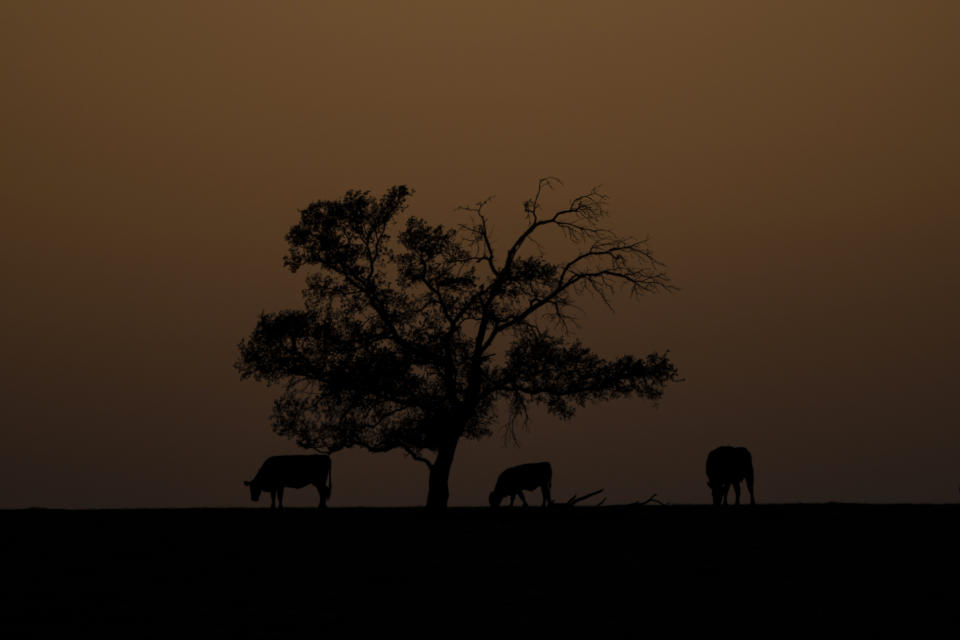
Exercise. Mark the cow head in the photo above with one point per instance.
(254, 490)
(495, 499)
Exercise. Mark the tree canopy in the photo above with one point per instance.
(414, 336)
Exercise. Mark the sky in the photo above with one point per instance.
(794, 165)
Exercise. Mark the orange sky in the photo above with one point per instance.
(794, 164)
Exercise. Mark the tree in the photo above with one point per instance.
(420, 340)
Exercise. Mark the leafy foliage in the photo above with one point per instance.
(395, 345)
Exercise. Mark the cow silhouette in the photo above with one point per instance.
(525, 477)
(295, 472)
(726, 467)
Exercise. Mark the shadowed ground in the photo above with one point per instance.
(609, 570)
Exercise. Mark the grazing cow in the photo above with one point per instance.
(726, 467)
(295, 472)
(525, 477)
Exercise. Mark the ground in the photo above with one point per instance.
(609, 571)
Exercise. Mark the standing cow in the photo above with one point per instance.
(525, 477)
(296, 472)
(726, 467)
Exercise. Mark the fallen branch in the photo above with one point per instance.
(652, 499)
(574, 500)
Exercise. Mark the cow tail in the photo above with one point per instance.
(330, 483)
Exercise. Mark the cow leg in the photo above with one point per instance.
(323, 495)
(546, 494)
(736, 490)
(273, 499)
(523, 499)
(750, 486)
(280, 497)
(513, 497)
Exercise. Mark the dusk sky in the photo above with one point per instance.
(794, 164)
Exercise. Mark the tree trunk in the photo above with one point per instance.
(438, 491)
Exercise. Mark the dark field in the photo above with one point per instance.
(608, 571)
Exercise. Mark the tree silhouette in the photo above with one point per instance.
(418, 340)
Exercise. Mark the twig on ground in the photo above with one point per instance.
(575, 499)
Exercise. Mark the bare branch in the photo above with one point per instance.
(416, 456)
(479, 235)
(574, 499)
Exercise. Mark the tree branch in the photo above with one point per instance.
(413, 454)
